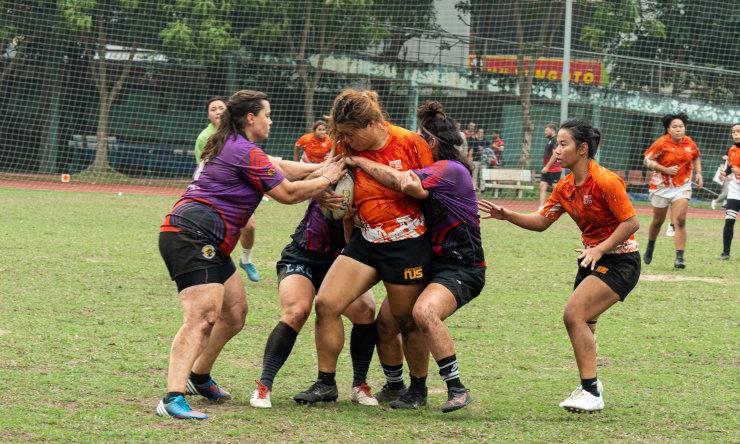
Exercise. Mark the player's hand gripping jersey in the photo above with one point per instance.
(387, 215)
(668, 153)
(232, 184)
(597, 207)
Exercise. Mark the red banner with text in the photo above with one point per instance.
(582, 72)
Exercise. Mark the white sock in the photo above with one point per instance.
(246, 255)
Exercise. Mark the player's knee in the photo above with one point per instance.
(296, 316)
(424, 316)
(387, 326)
(326, 308)
(681, 222)
(572, 317)
(406, 323)
(203, 321)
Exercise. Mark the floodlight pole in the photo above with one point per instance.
(565, 82)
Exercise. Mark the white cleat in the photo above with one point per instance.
(581, 401)
(713, 203)
(670, 231)
(363, 395)
(261, 397)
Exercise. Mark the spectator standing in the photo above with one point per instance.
(476, 152)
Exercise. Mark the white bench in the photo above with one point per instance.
(509, 179)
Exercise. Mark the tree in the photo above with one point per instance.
(305, 30)
(182, 28)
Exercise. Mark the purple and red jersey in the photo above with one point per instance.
(232, 184)
(318, 234)
(451, 212)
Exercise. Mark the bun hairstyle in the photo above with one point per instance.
(238, 106)
(583, 132)
(435, 125)
(668, 118)
(356, 108)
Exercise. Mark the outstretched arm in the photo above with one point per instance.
(294, 170)
(533, 221)
(389, 177)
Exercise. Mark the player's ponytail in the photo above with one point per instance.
(238, 106)
(435, 125)
(583, 132)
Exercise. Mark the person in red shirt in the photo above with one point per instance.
(597, 200)
(732, 172)
(390, 244)
(316, 145)
(674, 159)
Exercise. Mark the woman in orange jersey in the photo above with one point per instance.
(315, 145)
(672, 158)
(732, 172)
(390, 244)
(609, 261)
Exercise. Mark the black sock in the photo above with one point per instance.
(727, 235)
(449, 372)
(279, 345)
(418, 384)
(168, 397)
(200, 379)
(673, 226)
(361, 348)
(679, 254)
(651, 245)
(590, 385)
(393, 376)
(327, 378)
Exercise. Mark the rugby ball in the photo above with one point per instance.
(346, 187)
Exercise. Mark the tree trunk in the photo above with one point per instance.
(525, 98)
(101, 163)
(309, 92)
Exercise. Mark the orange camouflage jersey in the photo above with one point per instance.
(597, 207)
(314, 148)
(387, 215)
(668, 153)
(733, 160)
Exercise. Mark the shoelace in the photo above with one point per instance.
(181, 402)
(262, 390)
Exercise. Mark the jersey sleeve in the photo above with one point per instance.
(302, 141)
(200, 143)
(553, 209)
(655, 150)
(615, 193)
(695, 154)
(260, 172)
(422, 156)
(433, 176)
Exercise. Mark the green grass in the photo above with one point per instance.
(87, 313)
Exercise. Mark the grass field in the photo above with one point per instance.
(87, 314)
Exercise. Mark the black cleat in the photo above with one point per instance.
(411, 399)
(680, 264)
(648, 256)
(318, 392)
(456, 399)
(724, 257)
(386, 394)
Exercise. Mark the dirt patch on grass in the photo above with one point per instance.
(674, 278)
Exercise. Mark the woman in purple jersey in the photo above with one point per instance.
(203, 227)
(451, 212)
(302, 267)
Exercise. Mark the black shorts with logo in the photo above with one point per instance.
(404, 262)
(619, 271)
(297, 260)
(463, 281)
(192, 259)
(550, 178)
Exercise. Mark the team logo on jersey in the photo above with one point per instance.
(271, 172)
(413, 273)
(587, 199)
(687, 149)
(208, 251)
(397, 164)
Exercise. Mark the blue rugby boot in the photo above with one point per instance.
(209, 390)
(178, 408)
